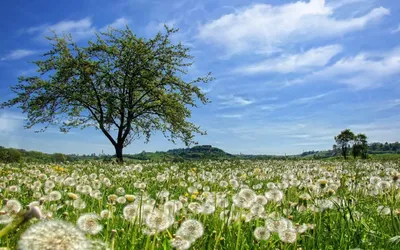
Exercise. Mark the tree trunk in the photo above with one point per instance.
(118, 153)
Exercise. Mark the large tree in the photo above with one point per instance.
(123, 85)
(343, 141)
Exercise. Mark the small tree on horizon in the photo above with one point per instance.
(361, 145)
(125, 86)
(343, 142)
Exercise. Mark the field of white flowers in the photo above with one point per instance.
(201, 205)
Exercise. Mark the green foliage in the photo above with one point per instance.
(125, 86)
(59, 158)
(10, 155)
(343, 141)
(360, 146)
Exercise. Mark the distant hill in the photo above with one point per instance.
(181, 154)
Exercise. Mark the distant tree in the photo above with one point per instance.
(125, 86)
(59, 158)
(9, 155)
(362, 145)
(343, 142)
(336, 150)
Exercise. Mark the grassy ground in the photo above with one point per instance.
(298, 204)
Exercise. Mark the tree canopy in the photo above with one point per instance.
(347, 141)
(343, 141)
(127, 87)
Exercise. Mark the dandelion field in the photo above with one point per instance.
(201, 205)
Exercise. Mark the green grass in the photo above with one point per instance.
(351, 221)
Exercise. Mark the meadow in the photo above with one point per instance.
(238, 204)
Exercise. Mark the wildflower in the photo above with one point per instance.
(179, 243)
(13, 206)
(190, 230)
(72, 196)
(158, 221)
(89, 223)
(121, 200)
(261, 233)
(195, 207)
(105, 214)
(277, 225)
(245, 198)
(129, 212)
(130, 197)
(120, 191)
(53, 234)
(288, 236)
(274, 195)
(208, 208)
(54, 196)
(79, 204)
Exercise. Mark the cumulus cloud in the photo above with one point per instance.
(264, 27)
(18, 54)
(287, 63)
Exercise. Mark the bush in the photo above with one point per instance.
(10, 155)
(59, 158)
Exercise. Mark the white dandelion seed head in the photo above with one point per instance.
(180, 243)
(53, 234)
(121, 200)
(288, 236)
(261, 200)
(54, 196)
(79, 204)
(190, 230)
(277, 225)
(105, 214)
(261, 233)
(120, 191)
(69, 181)
(274, 195)
(208, 208)
(195, 207)
(5, 218)
(89, 223)
(130, 212)
(159, 221)
(13, 206)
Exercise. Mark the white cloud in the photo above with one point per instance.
(154, 27)
(231, 100)
(299, 101)
(10, 122)
(230, 116)
(119, 23)
(79, 29)
(18, 54)
(334, 4)
(302, 62)
(396, 30)
(261, 27)
(364, 70)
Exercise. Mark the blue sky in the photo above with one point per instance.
(289, 74)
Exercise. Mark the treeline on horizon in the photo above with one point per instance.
(202, 152)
